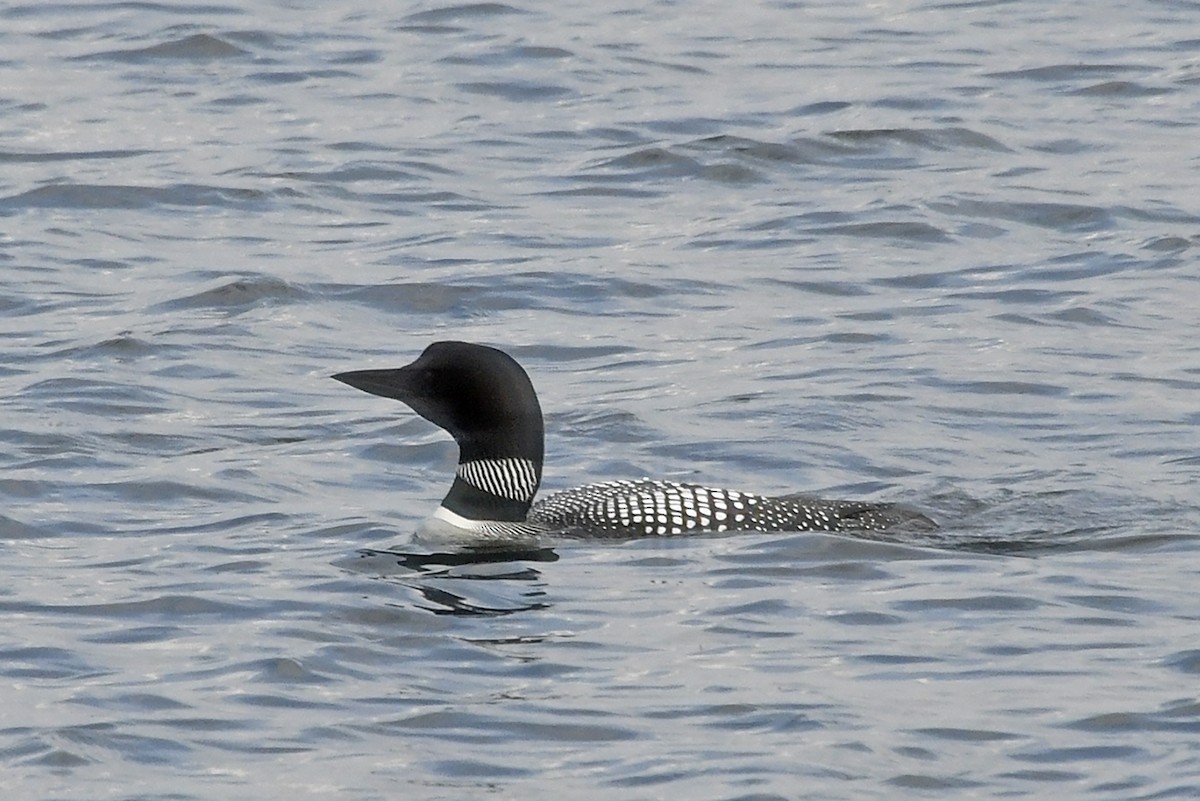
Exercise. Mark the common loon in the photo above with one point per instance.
(485, 400)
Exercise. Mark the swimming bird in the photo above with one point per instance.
(484, 399)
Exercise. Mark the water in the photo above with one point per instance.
(936, 253)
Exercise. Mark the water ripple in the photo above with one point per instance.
(899, 254)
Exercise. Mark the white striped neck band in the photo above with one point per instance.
(515, 479)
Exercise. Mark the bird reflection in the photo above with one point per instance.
(474, 581)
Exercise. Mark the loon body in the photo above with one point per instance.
(485, 400)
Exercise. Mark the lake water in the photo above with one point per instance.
(938, 253)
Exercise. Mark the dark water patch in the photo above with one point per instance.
(508, 55)
(605, 425)
(894, 659)
(364, 56)
(284, 670)
(1006, 388)
(1058, 147)
(1082, 315)
(238, 295)
(573, 353)
(237, 101)
(116, 739)
(605, 191)
(1044, 776)
(110, 197)
(200, 47)
(478, 770)
(977, 603)
(858, 149)
(227, 524)
(1122, 90)
(782, 717)
(686, 126)
(1184, 661)
(813, 226)
(95, 396)
(1065, 73)
(1162, 212)
(599, 294)
(1180, 716)
(901, 231)
(142, 443)
(778, 152)
(923, 138)
(169, 608)
(358, 146)
(814, 219)
(73, 9)
(866, 619)
(412, 298)
(1117, 603)
(130, 635)
(484, 728)
(1170, 244)
(19, 157)
(283, 77)
(192, 371)
(921, 781)
(450, 13)
(399, 203)
(1084, 264)
(653, 161)
(819, 108)
(352, 172)
(60, 759)
(1065, 217)
(516, 91)
(765, 608)
(733, 174)
(862, 338)
(11, 529)
(1024, 297)
(910, 103)
(658, 64)
(1093, 753)
(830, 288)
(241, 566)
(107, 404)
(145, 702)
(382, 449)
(124, 348)
(159, 492)
(41, 662)
(1173, 383)
(967, 735)
(800, 151)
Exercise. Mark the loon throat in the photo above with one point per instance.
(484, 399)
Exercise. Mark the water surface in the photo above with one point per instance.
(936, 253)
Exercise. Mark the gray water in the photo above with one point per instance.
(943, 254)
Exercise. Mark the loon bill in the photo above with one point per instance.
(485, 400)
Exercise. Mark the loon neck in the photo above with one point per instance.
(494, 489)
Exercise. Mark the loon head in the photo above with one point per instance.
(485, 400)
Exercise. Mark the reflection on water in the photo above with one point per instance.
(903, 251)
(473, 581)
